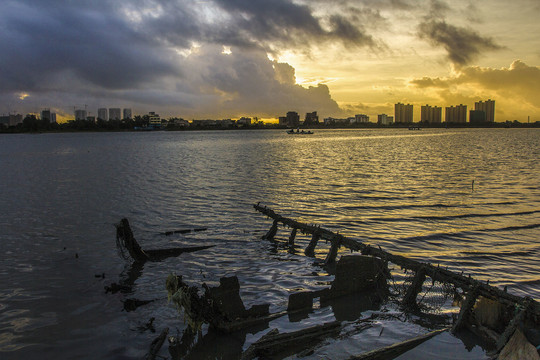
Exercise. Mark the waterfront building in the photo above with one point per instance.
(11, 120)
(334, 121)
(293, 119)
(488, 107)
(384, 119)
(179, 122)
(456, 114)
(103, 114)
(245, 121)
(311, 118)
(282, 121)
(127, 114)
(431, 114)
(154, 120)
(361, 118)
(403, 113)
(80, 114)
(115, 114)
(477, 116)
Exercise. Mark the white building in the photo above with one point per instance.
(383, 119)
(80, 114)
(103, 114)
(361, 118)
(154, 120)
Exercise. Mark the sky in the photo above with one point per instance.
(201, 59)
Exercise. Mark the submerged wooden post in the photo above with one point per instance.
(291, 238)
(465, 310)
(125, 238)
(437, 274)
(513, 324)
(310, 250)
(409, 300)
(272, 232)
(332, 254)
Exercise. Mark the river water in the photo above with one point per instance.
(468, 199)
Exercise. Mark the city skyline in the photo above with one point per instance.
(228, 59)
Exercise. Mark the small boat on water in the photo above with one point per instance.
(299, 132)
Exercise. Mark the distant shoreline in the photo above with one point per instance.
(68, 128)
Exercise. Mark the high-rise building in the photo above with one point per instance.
(456, 114)
(361, 118)
(488, 107)
(282, 120)
(127, 114)
(115, 114)
(431, 114)
(477, 116)
(403, 113)
(80, 114)
(293, 119)
(46, 115)
(384, 119)
(103, 114)
(11, 120)
(311, 118)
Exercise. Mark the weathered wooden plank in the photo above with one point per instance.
(465, 310)
(409, 300)
(292, 237)
(274, 342)
(394, 350)
(310, 249)
(436, 273)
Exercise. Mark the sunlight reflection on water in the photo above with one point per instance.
(410, 193)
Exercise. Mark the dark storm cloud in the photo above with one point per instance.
(462, 44)
(107, 51)
(42, 43)
(283, 21)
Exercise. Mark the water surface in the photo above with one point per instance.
(467, 199)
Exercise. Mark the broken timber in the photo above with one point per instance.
(474, 289)
(126, 240)
(273, 343)
(436, 273)
(395, 350)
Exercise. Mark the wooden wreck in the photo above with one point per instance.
(510, 315)
(126, 241)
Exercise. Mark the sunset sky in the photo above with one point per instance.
(232, 58)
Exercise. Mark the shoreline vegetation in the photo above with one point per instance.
(32, 125)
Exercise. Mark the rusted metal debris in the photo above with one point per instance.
(126, 240)
(513, 312)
